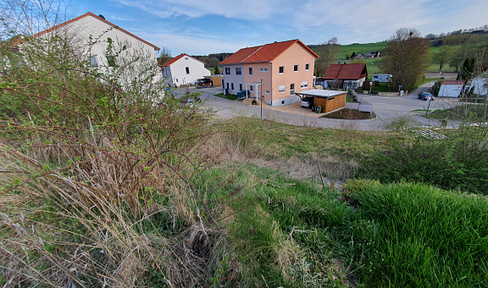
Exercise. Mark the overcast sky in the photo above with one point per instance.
(199, 27)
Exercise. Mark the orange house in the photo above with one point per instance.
(274, 71)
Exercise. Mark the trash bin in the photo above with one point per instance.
(318, 109)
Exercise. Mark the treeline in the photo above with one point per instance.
(212, 60)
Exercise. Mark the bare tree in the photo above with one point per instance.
(327, 54)
(407, 57)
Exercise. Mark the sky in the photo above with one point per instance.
(201, 27)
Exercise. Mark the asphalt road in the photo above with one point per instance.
(387, 110)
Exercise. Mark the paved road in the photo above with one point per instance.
(387, 109)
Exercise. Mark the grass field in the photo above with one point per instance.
(374, 65)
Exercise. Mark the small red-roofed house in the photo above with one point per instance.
(348, 76)
(274, 71)
(184, 70)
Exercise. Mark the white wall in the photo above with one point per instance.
(233, 78)
(91, 37)
(178, 73)
(450, 90)
(480, 86)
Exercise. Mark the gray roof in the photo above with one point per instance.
(320, 93)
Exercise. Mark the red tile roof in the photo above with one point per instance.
(453, 82)
(263, 53)
(352, 71)
(97, 17)
(178, 58)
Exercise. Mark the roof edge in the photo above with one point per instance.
(83, 16)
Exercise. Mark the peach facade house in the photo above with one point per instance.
(276, 71)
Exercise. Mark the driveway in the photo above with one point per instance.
(387, 110)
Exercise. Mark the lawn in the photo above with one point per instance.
(228, 96)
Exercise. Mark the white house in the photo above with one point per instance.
(106, 47)
(479, 86)
(184, 70)
(451, 88)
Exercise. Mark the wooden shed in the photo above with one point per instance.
(329, 100)
(216, 79)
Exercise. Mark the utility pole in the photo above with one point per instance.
(261, 99)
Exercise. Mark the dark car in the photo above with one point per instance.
(425, 95)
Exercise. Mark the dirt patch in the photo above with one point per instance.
(350, 114)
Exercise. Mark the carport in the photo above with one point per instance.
(329, 100)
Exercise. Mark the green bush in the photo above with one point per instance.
(458, 163)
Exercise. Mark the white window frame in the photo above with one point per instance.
(227, 70)
(250, 70)
(92, 61)
(295, 66)
(304, 84)
(281, 67)
(267, 92)
(282, 88)
(263, 69)
(238, 71)
(251, 88)
(307, 67)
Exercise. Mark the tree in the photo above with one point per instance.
(467, 69)
(442, 56)
(164, 56)
(327, 54)
(216, 70)
(458, 55)
(407, 57)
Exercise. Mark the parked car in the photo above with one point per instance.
(307, 102)
(425, 95)
(204, 82)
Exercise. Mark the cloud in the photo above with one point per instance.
(193, 45)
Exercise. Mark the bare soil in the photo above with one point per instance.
(350, 114)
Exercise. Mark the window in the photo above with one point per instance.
(307, 67)
(263, 69)
(267, 91)
(304, 84)
(250, 71)
(251, 88)
(111, 60)
(187, 69)
(227, 71)
(292, 89)
(282, 69)
(231, 86)
(227, 85)
(281, 89)
(240, 87)
(295, 68)
(92, 60)
(238, 71)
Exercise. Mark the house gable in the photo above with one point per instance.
(90, 14)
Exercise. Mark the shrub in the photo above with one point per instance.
(96, 188)
(459, 162)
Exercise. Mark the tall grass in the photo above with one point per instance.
(97, 177)
(423, 236)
